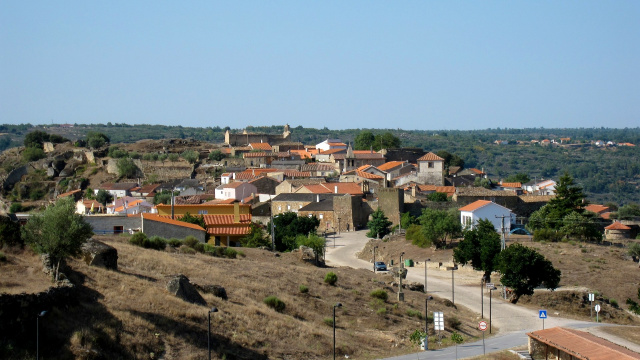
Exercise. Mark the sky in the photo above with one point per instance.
(426, 65)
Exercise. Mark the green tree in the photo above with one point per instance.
(627, 212)
(9, 233)
(190, 155)
(386, 141)
(96, 140)
(58, 231)
(216, 155)
(364, 140)
(440, 225)
(519, 177)
(127, 168)
(480, 247)
(524, 269)
(288, 226)
(414, 234)
(407, 220)
(191, 219)
(163, 197)
(36, 139)
(313, 241)
(569, 198)
(581, 226)
(379, 226)
(450, 159)
(437, 196)
(256, 237)
(104, 197)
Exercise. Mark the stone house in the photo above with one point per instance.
(617, 231)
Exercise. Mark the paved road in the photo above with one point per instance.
(512, 320)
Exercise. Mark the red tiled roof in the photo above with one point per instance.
(257, 154)
(332, 151)
(390, 165)
(69, 193)
(449, 190)
(475, 205)
(329, 188)
(582, 345)
(148, 188)
(296, 173)
(617, 226)
(430, 157)
(167, 220)
(212, 220)
(512, 185)
(232, 185)
(595, 208)
(479, 172)
(260, 146)
(336, 144)
(230, 230)
(606, 215)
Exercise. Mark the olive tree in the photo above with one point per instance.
(58, 231)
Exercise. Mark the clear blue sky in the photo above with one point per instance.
(340, 64)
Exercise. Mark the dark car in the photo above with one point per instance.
(380, 266)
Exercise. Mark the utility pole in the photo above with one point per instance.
(503, 244)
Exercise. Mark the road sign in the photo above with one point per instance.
(597, 308)
(490, 285)
(482, 325)
(542, 314)
(438, 320)
(591, 297)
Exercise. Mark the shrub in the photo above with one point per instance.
(33, 154)
(274, 303)
(138, 239)
(417, 336)
(186, 250)
(155, 243)
(303, 289)
(231, 253)
(414, 313)
(190, 241)
(331, 278)
(614, 303)
(174, 243)
(328, 321)
(453, 323)
(547, 235)
(382, 311)
(379, 294)
(199, 247)
(16, 207)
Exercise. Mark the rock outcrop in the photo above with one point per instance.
(96, 253)
(181, 287)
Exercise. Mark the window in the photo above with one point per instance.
(288, 207)
(279, 208)
(202, 212)
(321, 216)
(118, 229)
(217, 241)
(430, 164)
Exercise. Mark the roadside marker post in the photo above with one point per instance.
(591, 298)
(542, 314)
(597, 312)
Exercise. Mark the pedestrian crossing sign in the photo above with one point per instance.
(543, 314)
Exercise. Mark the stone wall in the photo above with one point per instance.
(168, 231)
(166, 169)
(410, 154)
(18, 312)
(104, 224)
(391, 201)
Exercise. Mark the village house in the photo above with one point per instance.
(498, 215)
(236, 190)
(330, 144)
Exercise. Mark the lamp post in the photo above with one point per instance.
(482, 297)
(426, 322)
(334, 329)
(338, 225)
(425, 275)
(453, 294)
(490, 297)
(400, 293)
(374, 258)
(41, 314)
(213, 309)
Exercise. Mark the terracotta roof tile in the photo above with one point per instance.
(69, 193)
(617, 226)
(512, 185)
(390, 165)
(475, 205)
(595, 208)
(430, 157)
(229, 230)
(167, 220)
(260, 146)
(582, 345)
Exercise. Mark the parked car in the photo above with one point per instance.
(380, 266)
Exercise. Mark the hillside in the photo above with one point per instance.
(129, 313)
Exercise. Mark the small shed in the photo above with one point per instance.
(617, 231)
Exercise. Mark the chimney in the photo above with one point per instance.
(236, 213)
(335, 188)
(413, 191)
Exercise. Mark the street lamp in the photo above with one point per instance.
(453, 294)
(426, 322)
(490, 297)
(425, 275)
(41, 314)
(400, 293)
(334, 328)
(374, 258)
(213, 309)
(338, 225)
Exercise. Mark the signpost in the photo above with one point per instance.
(597, 312)
(542, 314)
(482, 325)
(591, 298)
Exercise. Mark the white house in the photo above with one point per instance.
(484, 209)
(133, 207)
(118, 190)
(236, 190)
(543, 187)
(331, 144)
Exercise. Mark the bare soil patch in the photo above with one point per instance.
(630, 333)
(22, 273)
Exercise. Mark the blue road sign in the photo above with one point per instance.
(542, 314)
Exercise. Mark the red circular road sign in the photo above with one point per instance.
(482, 325)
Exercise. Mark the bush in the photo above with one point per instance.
(138, 239)
(33, 154)
(417, 336)
(303, 289)
(230, 253)
(416, 236)
(414, 313)
(155, 243)
(174, 243)
(382, 311)
(379, 294)
(328, 321)
(614, 303)
(15, 207)
(547, 235)
(190, 241)
(331, 278)
(187, 250)
(453, 323)
(199, 247)
(274, 303)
